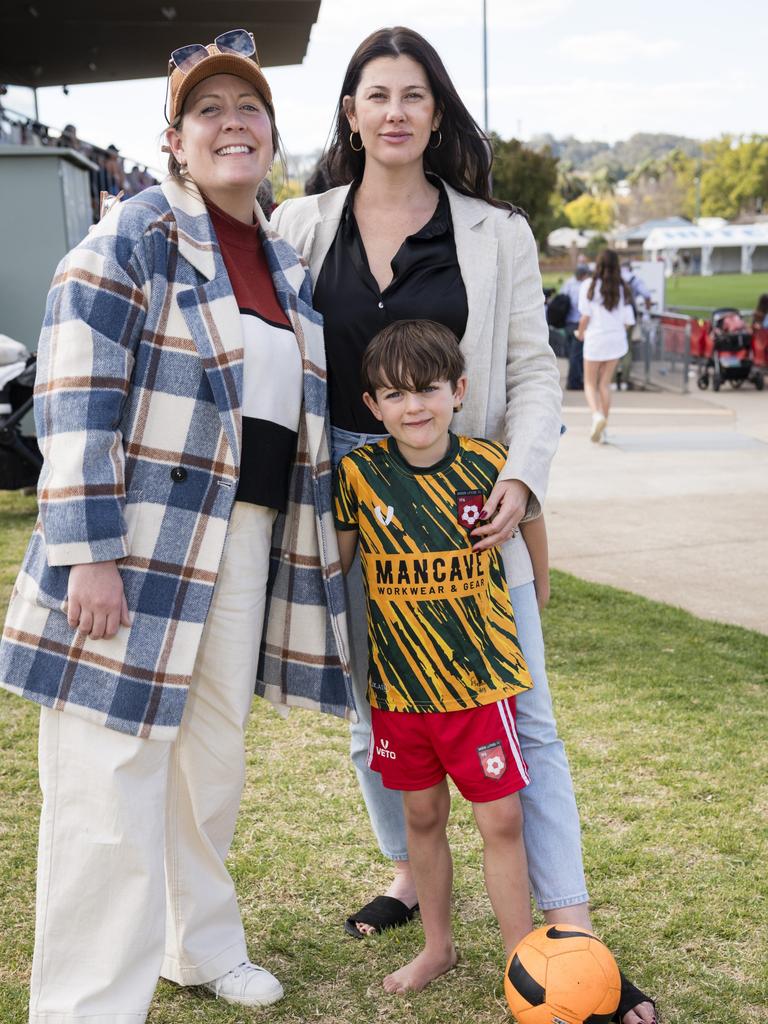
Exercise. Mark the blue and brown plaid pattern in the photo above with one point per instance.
(138, 416)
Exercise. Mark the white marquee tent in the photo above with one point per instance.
(728, 249)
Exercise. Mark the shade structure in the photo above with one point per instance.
(71, 42)
(729, 248)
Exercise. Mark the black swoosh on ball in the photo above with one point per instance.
(553, 933)
(527, 986)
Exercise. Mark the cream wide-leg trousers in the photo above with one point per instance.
(131, 882)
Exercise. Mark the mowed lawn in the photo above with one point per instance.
(700, 295)
(664, 717)
(739, 290)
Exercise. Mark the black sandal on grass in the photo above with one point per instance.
(630, 997)
(381, 913)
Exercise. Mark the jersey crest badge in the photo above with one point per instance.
(469, 505)
(385, 518)
(492, 760)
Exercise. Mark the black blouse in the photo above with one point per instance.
(427, 284)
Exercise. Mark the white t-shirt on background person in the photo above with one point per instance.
(606, 333)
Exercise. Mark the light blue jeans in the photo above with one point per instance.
(551, 827)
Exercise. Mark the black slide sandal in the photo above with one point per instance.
(630, 997)
(381, 913)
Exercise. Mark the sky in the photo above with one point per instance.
(588, 68)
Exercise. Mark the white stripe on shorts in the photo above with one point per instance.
(508, 720)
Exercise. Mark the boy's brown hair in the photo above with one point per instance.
(409, 355)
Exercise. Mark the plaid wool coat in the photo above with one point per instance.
(138, 408)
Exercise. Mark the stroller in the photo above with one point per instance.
(20, 459)
(728, 352)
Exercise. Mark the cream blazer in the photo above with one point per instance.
(514, 387)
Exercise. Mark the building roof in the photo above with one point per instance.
(693, 237)
(564, 238)
(70, 42)
(641, 231)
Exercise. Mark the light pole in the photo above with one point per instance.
(485, 69)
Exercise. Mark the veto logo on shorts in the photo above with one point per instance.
(492, 760)
(383, 750)
(469, 505)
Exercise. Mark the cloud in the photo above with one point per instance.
(696, 107)
(615, 47)
(442, 15)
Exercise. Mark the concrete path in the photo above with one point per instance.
(675, 507)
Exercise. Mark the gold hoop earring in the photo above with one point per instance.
(352, 146)
(439, 139)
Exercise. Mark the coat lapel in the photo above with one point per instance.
(293, 287)
(318, 244)
(210, 309)
(477, 252)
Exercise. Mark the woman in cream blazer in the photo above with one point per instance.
(418, 172)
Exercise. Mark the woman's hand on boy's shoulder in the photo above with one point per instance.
(503, 511)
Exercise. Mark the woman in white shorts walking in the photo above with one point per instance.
(605, 305)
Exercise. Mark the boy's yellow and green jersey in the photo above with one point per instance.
(441, 632)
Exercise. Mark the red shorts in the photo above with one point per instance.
(477, 747)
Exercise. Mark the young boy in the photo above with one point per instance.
(444, 661)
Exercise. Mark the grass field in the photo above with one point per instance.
(740, 290)
(664, 717)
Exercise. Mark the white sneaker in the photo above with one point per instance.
(598, 426)
(604, 436)
(246, 985)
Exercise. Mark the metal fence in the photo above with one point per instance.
(661, 354)
(668, 349)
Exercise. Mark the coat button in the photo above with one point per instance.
(178, 474)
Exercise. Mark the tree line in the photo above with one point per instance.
(575, 184)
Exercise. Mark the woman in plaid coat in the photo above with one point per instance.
(184, 501)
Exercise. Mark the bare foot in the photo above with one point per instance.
(643, 1013)
(403, 888)
(424, 968)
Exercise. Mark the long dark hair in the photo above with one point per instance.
(761, 309)
(612, 286)
(463, 157)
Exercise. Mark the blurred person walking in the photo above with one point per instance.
(571, 288)
(760, 313)
(605, 307)
(641, 305)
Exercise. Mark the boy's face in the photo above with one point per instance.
(418, 420)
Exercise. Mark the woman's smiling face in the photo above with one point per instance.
(393, 110)
(225, 139)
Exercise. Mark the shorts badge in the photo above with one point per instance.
(492, 759)
(469, 505)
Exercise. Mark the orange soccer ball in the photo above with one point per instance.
(562, 974)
